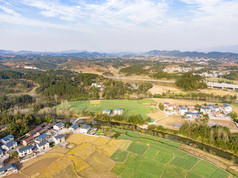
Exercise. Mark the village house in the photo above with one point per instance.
(169, 107)
(182, 111)
(73, 127)
(106, 111)
(58, 126)
(34, 132)
(84, 129)
(227, 108)
(24, 151)
(117, 111)
(214, 108)
(42, 138)
(10, 145)
(166, 104)
(44, 145)
(193, 115)
(1, 153)
(7, 169)
(59, 139)
(205, 110)
(7, 139)
(28, 140)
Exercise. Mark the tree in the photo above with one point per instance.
(233, 115)
(15, 153)
(161, 106)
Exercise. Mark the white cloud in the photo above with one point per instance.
(9, 11)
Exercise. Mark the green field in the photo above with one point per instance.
(149, 156)
(130, 107)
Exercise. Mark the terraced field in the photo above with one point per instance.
(130, 107)
(149, 156)
(132, 155)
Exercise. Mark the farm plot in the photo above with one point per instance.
(119, 156)
(137, 148)
(149, 168)
(208, 170)
(185, 162)
(156, 157)
(164, 157)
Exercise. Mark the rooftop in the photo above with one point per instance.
(8, 167)
(43, 136)
(74, 126)
(59, 136)
(183, 108)
(60, 124)
(43, 143)
(25, 148)
(85, 126)
(9, 144)
(8, 137)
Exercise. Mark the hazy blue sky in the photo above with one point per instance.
(117, 25)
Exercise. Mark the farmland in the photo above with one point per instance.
(130, 107)
(131, 155)
(150, 156)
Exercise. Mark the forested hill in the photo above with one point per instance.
(86, 54)
(215, 55)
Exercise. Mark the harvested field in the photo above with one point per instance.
(158, 89)
(100, 162)
(59, 149)
(156, 115)
(92, 173)
(16, 175)
(95, 101)
(172, 120)
(55, 167)
(37, 166)
(125, 145)
(101, 141)
(83, 150)
(78, 163)
(81, 138)
(68, 172)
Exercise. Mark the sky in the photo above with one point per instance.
(117, 25)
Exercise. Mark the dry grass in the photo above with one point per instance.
(181, 102)
(78, 163)
(218, 92)
(81, 138)
(110, 147)
(83, 150)
(125, 145)
(95, 101)
(16, 175)
(92, 173)
(59, 149)
(100, 162)
(55, 167)
(68, 172)
(171, 120)
(158, 89)
(156, 115)
(36, 167)
(101, 141)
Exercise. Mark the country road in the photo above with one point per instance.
(145, 80)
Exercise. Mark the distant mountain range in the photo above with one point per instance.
(86, 54)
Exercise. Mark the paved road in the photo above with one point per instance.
(137, 79)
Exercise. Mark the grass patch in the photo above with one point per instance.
(164, 157)
(185, 162)
(129, 170)
(205, 169)
(130, 107)
(173, 171)
(119, 156)
(137, 148)
(151, 152)
(149, 168)
(119, 168)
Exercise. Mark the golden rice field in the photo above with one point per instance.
(89, 157)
